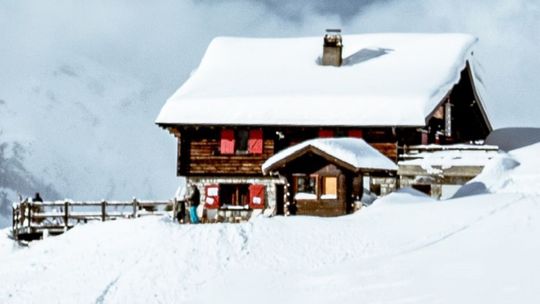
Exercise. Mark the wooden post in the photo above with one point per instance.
(103, 210)
(290, 190)
(135, 207)
(350, 198)
(29, 208)
(175, 208)
(66, 215)
(342, 191)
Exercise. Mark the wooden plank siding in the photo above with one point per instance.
(205, 159)
(199, 149)
(320, 207)
(390, 150)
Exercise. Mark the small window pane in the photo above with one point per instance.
(305, 187)
(242, 137)
(330, 185)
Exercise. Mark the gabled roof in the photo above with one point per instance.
(352, 153)
(385, 80)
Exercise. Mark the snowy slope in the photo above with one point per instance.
(405, 248)
(422, 251)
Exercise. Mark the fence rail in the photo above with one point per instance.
(35, 220)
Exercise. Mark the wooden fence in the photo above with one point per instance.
(35, 220)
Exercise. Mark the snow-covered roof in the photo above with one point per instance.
(385, 79)
(352, 151)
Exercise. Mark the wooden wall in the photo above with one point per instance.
(206, 159)
(199, 149)
(320, 207)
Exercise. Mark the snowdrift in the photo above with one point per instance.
(404, 248)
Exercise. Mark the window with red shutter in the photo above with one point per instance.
(326, 133)
(255, 142)
(227, 142)
(256, 196)
(356, 133)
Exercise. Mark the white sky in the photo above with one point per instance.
(162, 41)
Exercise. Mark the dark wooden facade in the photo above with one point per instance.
(199, 147)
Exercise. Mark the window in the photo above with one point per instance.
(241, 141)
(329, 187)
(326, 133)
(355, 133)
(242, 137)
(305, 186)
(234, 194)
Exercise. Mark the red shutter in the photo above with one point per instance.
(356, 133)
(227, 142)
(212, 196)
(424, 137)
(326, 133)
(256, 196)
(255, 141)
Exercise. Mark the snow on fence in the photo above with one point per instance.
(34, 220)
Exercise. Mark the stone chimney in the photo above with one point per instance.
(332, 47)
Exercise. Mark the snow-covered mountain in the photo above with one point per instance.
(86, 129)
(15, 180)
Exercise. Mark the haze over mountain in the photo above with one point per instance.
(82, 82)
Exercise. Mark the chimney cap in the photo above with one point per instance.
(337, 31)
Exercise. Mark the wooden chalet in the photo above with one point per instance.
(252, 98)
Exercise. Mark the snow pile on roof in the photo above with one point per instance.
(386, 79)
(353, 151)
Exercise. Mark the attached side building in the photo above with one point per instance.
(251, 98)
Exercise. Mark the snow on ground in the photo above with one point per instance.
(405, 248)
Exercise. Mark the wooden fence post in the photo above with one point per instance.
(103, 210)
(135, 207)
(66, 215)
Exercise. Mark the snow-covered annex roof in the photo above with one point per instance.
(354, 152)
(385, 80)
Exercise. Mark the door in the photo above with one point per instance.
(280, 200)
